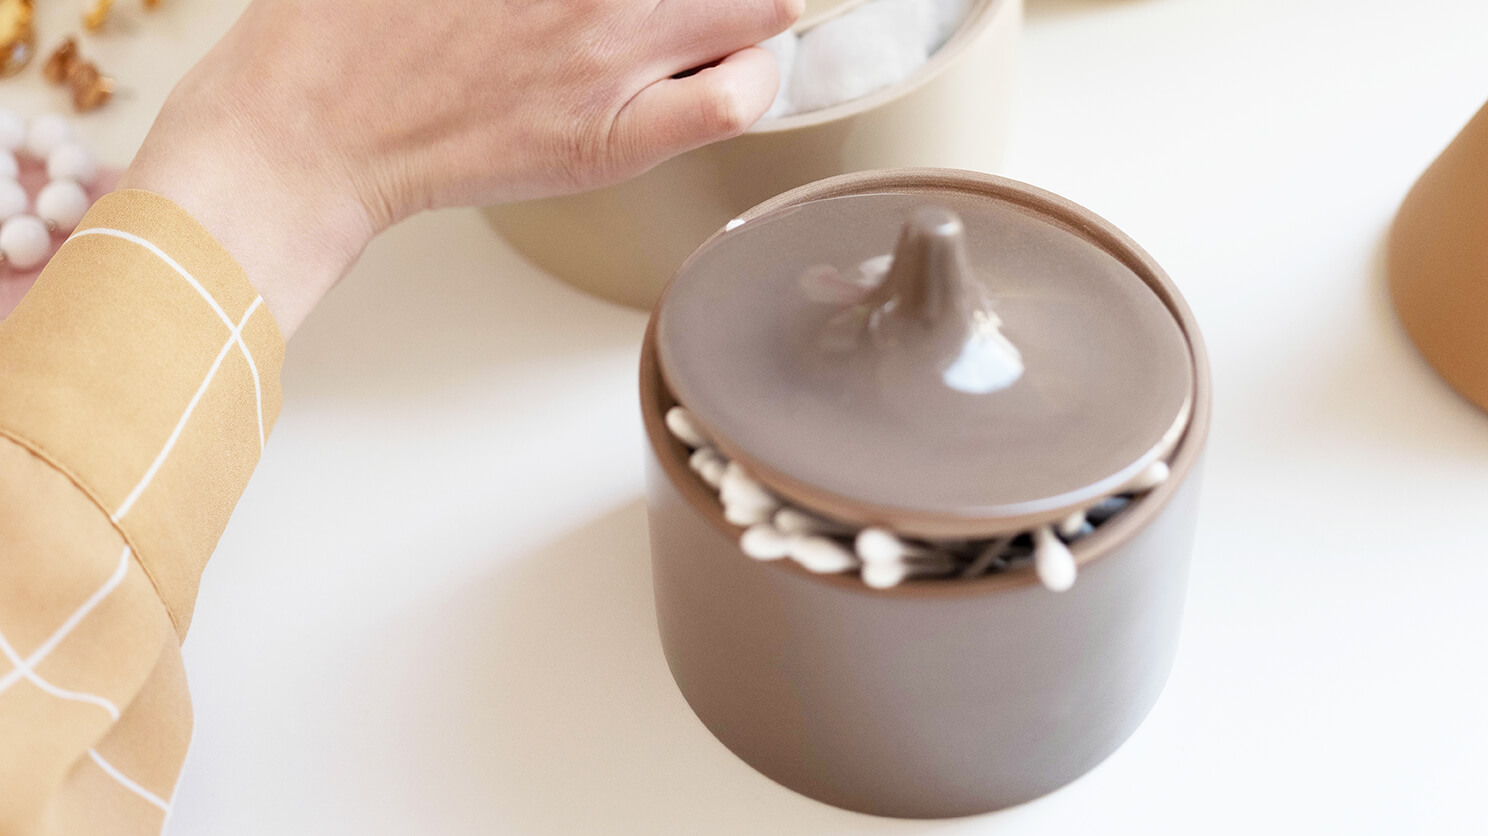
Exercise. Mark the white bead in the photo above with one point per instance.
(62, 204)
(24, 241)
(71, 161)
(9, 168)
(13, 199)
(45, 133)
(12, 130)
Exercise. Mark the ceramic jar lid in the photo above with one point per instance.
(945, 363)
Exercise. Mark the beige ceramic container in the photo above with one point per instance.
(623, 243)
(815, 11)
(1438, 263)
(943, 696)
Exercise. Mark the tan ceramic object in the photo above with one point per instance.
(1438, 263)
(941, 697)
(623, 243)
(816, 11)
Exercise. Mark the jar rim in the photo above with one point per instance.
(656, 394)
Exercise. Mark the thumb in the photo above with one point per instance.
(679, 114)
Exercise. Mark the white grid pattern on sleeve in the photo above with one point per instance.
(128, 784)
(170, 443)
(237, 332)
(25, 668)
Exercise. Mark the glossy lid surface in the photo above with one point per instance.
(944, 354)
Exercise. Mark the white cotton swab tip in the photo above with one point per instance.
(745, 514)
(745, 501)
(885, 575)
(1052, 560)
(822, 555)
(765, 542)
(709, 465)
(735, 485)
(1151, 476)
(1073, 525)
(877, 546)
(794, 521)
(679, 421)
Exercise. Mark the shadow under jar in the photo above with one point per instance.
(947, 694)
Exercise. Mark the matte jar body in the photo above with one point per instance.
(934, 699)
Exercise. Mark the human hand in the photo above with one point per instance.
(315, 124)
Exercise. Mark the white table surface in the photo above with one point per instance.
(432, 612)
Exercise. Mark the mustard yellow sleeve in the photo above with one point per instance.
(139, 379)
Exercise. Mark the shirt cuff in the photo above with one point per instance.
(145, 367)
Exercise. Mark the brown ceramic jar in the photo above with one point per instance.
(944, 696)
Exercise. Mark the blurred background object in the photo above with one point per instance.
(623, 243)
(17, 35)
(1438, 262)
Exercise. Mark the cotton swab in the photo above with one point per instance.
(774, 530)
(991, 557)
(1074, 526)
(879, 546)
(1052, 560)
(709, 465)
(889, 575)
(1151, 476)
(763, 541)
(681, 424)
(795, 521)
(822, 555)
(745, 501)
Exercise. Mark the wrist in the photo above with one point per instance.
(292, 223)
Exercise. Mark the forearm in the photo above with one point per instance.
(293, 223)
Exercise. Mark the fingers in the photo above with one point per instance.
(694, 32)
(679, 114)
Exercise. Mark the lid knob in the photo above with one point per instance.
(932, 315)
